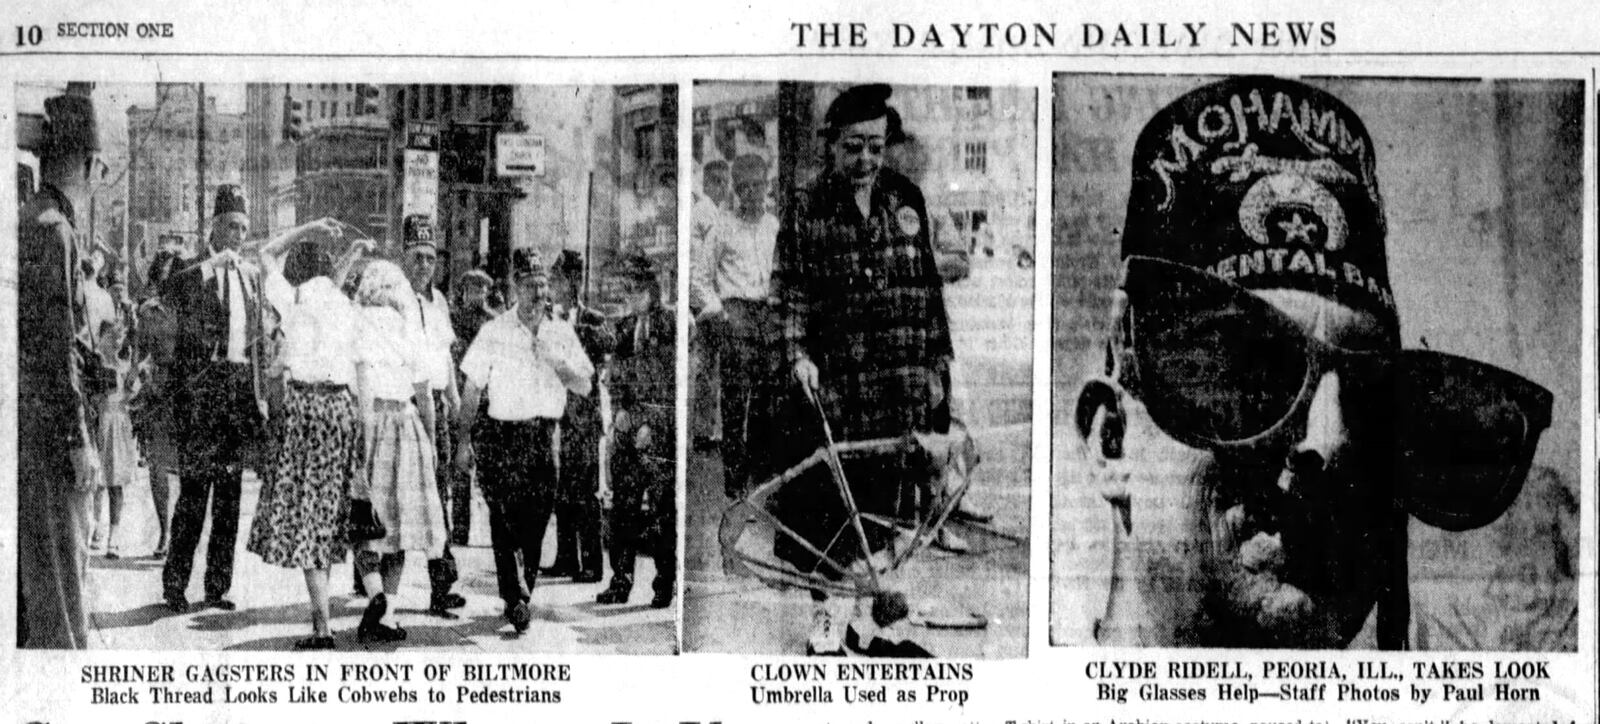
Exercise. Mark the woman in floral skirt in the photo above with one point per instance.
(318, 456)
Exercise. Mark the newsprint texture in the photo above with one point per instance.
(1033, 363)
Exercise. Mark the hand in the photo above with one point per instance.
(642, 437)
(327, 225)
(805, 372)
(362, 246)
(603, 494)
(465, 457)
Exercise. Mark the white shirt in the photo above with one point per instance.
(390, 353)
(738, 261)
(98, 307)
(320, 326)
(234, 285)
(432, 323)
(521, 384)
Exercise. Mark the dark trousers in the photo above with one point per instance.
(750, 365)
(442, 571)
(644, 515)
(577, 512)
(517, 471)
(220, 420)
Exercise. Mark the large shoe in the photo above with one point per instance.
(614, 595)
(556, 571)
(439, 607)
(450, 600)
(379, 633)
(587, 577)
(947, 540)
(221, 604)
(176, 603)
(662, 599)
(519, 616)
(824, 639)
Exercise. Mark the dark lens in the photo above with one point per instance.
(1216, 365)
(1462, 439)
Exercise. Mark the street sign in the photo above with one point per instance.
(422, 136)
(518, 154)
(421, 184)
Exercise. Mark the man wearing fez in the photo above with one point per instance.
(217, 383)
(733, 281)
(643, 496)
(420, 260)
(525, 362)
(56, 460)
(577, 510)
(1261, 437)
(865, 333)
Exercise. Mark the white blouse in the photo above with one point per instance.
(319, 325)
(391, 354)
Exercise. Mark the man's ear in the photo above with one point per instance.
(1100, 420)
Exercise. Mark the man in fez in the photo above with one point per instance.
(644, 508)
(216, 389)
(524, 362)
(56, 459)
(577, 511)
(420, 260)
(1261, 437)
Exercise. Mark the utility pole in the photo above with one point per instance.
(200, 172)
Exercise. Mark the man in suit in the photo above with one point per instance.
(56, 457)
(577, 512)
(644, 509)
(216, 376)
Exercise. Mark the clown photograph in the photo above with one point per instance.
(861, 282)
(1315, 374)
(348, 367)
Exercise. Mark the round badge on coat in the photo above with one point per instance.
(910, 222)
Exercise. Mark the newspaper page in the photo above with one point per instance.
(1026, 362)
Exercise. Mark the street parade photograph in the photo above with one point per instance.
(1313, 379)
(347, 366)
(861, 285)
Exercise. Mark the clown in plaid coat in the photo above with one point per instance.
(861, 298)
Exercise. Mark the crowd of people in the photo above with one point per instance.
(366, 401)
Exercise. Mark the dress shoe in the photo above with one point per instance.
(587, 577)
(662, 599)
(379, 633)
(377, 606)
(519, 616)
(177, 604)
(614, 595)
(314, 643)
(439, 607)
(221, 604)
(947, 540)
(557, 571)
(450, 600)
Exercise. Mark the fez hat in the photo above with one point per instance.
(1268, 183)
(863, 103)
(419, 232)
(71, 124)
(230, 198)
(526, 263)
(568, 264)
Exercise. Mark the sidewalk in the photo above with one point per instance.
(127, 612)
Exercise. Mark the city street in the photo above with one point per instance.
(127, 612)
(990, 317)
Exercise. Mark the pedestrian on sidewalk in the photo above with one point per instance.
(318, 456)
(397, 406)
(153, 422)
(525, 362)
(470, 312)
(577, 511)
(644, 509)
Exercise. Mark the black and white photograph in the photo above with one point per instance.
(1313, 375)
(347, 366)
(861, 285)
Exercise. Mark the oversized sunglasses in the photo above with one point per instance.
(1220, 368)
